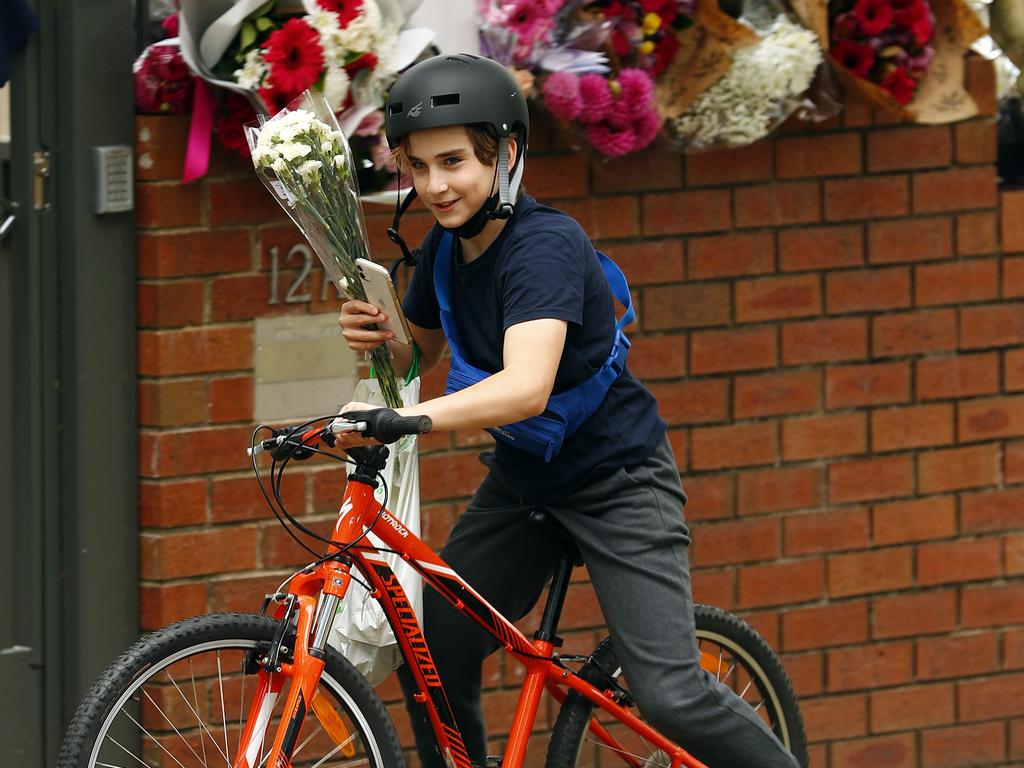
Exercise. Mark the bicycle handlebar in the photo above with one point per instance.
(381, 424)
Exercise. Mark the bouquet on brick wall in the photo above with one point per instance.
(905, 56)
(304, 159)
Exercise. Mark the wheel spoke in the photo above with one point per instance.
(199, 720)
(151, 736)
(223, 714)
(130, 754)
(173, 726)
(333, 752)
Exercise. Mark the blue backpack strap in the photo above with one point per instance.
(620, 289)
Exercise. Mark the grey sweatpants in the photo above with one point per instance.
(630, 531)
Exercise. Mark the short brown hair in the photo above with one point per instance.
(485, 146)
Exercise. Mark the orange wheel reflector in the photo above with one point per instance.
(712, 664)
(333, 724)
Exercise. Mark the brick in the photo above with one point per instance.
(327, 487)
(174, 556)
(1013, 277)
(976, 142)
(818, 437)
(198, 350)
(976, 234)
(903, 149)
(868, 479)
(160, 143)
(715, 588)
(823, 626)
(849, 386)
(163, 604)
(988, 606)
(165, 305)
(741, 541)
(990, 699)
(956, 283)
(168, 205)
(567, 176)
(781, 583)
(958, 468)
(867, 289)
(732, 350)
(918, 426)
(903, 709)
(1013, 556)
(1014, 463)
(449, 476)
(730, 166)
(172, 504)
(776, 298)
(773, 205)
(869, 666)
(919, 239)
(866, 197)
(821, 341)
(991, 418)
(197, 451)
(692, 401)
(952, 657)
(956, 377)
(821, 247)
(602, 217)
(173, 403)
(898, 750)
(736, 445)
(1013, 648)
(709, 497)
(908, 333)
(962, 746)
(279, 550)
(835, 717)
(992, 326)
(666, 213)
(836, 154)
(1011, 217)
(239, 498)
(959, 561)
(242, 593)
(773, 394)
(806, 671)
(181, 254)
(652, 261)
(732, 255)
(917, 520)
(244, 297)
(658, 357)
(924, 613)
(231, 399)
(980, 79)
(988, 511)
(861, 573)
(637, 172)
(975, 188)
(827, 531)
(239, 201)
(685, 305)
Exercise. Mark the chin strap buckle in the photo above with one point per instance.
(502, 211)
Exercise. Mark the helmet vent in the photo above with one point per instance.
(395, 109)
(445, 100)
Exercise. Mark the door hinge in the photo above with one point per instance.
(42, 168)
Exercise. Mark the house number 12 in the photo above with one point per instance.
(299, 290)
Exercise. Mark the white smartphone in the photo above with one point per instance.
(380, 292)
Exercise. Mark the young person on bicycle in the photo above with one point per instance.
(528, 313)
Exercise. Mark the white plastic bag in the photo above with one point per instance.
(361, 630)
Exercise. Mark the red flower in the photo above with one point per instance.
(346, 9)
(900, 85)
(855, 57)
(366, 61)
(873, 16)
(664, 52)
(917, 18)
(666, 9)
(229, 128)
(170, 25)
(276, 100)
(295, 57)
(621, 43)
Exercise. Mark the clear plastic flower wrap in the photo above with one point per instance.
(304, 159)
(762, 79)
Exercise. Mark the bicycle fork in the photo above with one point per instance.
(315, 619)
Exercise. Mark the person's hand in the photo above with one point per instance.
(345, 440)
(355, 315)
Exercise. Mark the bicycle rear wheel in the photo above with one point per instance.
(179, 698)
(731, 651)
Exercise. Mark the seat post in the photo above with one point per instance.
(556, 599)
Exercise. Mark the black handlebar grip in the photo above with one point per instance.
(387, 426)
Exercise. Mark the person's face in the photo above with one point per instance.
(447, 175)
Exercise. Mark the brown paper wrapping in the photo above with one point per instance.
(704, 56)
(941, 96)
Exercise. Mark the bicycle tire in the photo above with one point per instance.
(129, 684)
(713, 625)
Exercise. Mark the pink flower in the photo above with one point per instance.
(873, 16)
(530, 21)
(609, 141)
(647, 128)
(637, 90)
(562, 96)
(597, 98)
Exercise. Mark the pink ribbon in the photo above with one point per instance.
(197, 156)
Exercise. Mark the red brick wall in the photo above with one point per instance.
(832, 323)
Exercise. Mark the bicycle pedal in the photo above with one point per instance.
(492, 761)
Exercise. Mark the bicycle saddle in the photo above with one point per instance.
(543, 517)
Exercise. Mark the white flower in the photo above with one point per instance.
(293, 150)
(279, 165)
(339, 161)
(253, 70)
(762, 87)
(361, 33)
(336, 85)
(323, 21)
(309, 169)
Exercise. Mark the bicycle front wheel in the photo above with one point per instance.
(731, 651)
(179, 698)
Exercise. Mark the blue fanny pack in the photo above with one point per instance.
(540, 435)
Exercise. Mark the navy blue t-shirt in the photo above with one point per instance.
(543, 265)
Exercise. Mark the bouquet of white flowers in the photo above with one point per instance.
(304, 158)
